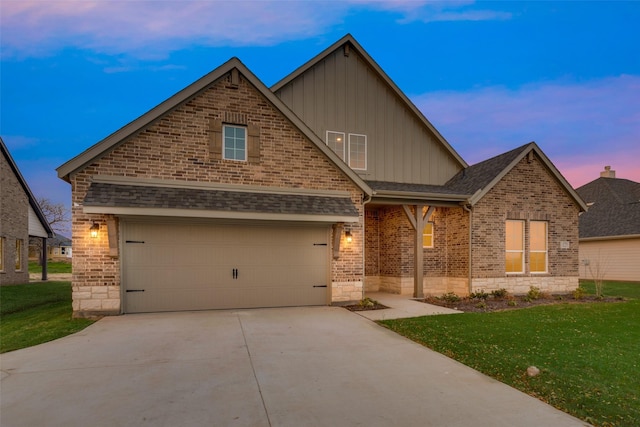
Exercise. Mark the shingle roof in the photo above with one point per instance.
(478, 176)
(411, 188)
(132, 196)
(615, 210)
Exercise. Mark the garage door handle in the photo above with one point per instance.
(135, 290)
(235, 273)
(319, 286)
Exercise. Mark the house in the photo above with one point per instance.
(58, 248)
(328, 185)
(20, 218)
(610, 229)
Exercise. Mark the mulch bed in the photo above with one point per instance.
(475, 305)
(359, 307)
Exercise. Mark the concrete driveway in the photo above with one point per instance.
(320, 366)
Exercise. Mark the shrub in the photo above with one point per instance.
(481, 295)
(500, 294)
(533, 294)
(368, 302)
(481, 304)
(578, 293)
(450, 297)
(512, 303)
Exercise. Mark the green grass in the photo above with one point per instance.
(610, 288)
(36, 313)
(588, 353)
(52, 267)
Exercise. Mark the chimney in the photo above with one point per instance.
(607, 173)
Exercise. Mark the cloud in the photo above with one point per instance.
(152, 29)
(581, 126)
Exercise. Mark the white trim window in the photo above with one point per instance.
(357, 151)
(514, 247)
(538, 247)
(335, 141)
(427, 235)
(234, 143)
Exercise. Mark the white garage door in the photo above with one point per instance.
(200, 266)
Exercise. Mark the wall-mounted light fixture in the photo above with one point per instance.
(94, 230)
(348, 236)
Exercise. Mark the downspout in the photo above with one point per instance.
(366, 199)
(469, 208)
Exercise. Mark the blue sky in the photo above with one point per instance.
(490, 76)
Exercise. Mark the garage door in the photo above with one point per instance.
(200, 266)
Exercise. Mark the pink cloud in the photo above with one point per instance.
(581, 126)
(151, 29)
(154, 27)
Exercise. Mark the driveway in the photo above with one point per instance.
(319, 366)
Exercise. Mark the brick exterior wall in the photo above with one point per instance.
(390, 251)
(176, 147)
(14, 224)
(528, 192)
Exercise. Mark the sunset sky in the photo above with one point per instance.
(490, 76)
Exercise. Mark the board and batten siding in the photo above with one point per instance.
(618, 257)
(344, 94)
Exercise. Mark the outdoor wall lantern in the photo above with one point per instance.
(94, 230)
(348, 236)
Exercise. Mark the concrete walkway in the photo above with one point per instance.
(317, 366)
(401, 307)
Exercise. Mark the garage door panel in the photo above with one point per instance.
(184, 266)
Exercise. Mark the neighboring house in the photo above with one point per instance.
(20, 218)
(331, 183)
(58, 248)
(610, 229)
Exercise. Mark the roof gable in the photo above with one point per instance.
(614, 208)
(480, 178)
(114, 140)
(33, 203)
(345, 47)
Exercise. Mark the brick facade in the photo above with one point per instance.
(177, 147)
(390, 251)
(14, 225)
(528, 192)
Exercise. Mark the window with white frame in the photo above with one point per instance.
(514, 245)
(235, 143)
(357, 151)
(335, 141)
(18, 266)
(538, 253)
(427, 235)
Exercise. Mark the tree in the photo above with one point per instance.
(57, 215)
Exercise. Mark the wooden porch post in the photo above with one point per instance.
(418, 221)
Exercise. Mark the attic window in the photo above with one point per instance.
(235, 143)
(335, 141)
(358, 151)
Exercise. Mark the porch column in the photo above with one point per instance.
(418, 220)
(44, 259)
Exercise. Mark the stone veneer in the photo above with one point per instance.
(176, 147)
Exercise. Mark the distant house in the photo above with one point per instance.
(20, 218)
(326, 186)
(610, 229)
(58, 248)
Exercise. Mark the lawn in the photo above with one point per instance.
(587, 353)
(52, 267)
(36, 313)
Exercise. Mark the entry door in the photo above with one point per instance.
(198, 266)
